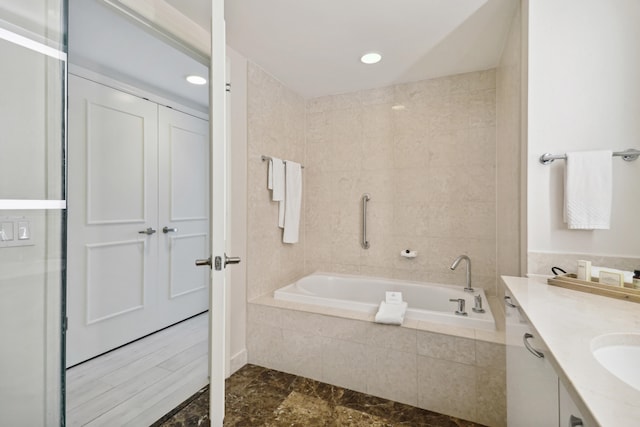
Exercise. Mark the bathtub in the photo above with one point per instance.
(426, 301)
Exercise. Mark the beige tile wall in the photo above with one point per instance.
(430, 170)
(509, 142)
(541, 262)
(275, 126)
(456, 376)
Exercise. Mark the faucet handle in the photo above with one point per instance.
(461, 304)
(478, 304)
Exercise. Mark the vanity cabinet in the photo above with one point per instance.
(535, 395)
(532, 384)
(570, 415)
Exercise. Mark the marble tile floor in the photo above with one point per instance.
(257, 396)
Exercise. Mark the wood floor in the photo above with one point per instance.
(137, 384)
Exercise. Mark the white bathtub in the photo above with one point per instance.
(426, 301)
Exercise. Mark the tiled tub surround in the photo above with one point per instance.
(446, 369)
(275, 128)
(430, 169)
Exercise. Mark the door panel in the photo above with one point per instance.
(115, 279)
(112, 268)
(115, 165)
(189, 168)
(184, 277)
(183, 149)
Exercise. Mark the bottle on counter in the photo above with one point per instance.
(636, 279)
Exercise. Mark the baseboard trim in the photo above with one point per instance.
(238, 361)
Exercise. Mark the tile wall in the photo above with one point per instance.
(430, 169)
(509, 126)
(462, 377)
(275, 126)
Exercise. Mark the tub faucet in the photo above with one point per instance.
(468, 287)
(461, 303)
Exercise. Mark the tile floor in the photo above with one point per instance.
(257, 396)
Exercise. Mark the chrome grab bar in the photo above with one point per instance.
(365, 200)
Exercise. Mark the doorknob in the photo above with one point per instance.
(218, 262)
(231, 260)
(203, 262)
(166, 230)
(148, 231)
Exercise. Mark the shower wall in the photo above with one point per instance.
(275, 126)
(426, 153)
(511, 128)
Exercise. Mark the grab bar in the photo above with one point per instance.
(365, 199)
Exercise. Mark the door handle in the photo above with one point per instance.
(575, 421)
(218, 262)
(203, 262)
(536, 353)
(149, 231)
(231, 260)
(166, 230)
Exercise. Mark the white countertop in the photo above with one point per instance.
(567, 321)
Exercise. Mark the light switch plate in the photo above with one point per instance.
(6, 231)
(24, 230)
(15, 231)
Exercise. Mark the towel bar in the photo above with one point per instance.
(265, 158)
(628, 156)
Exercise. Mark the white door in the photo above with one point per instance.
(112, 271)
(183, 223)
(217, 307)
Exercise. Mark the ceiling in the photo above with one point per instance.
(314, 47)
(103, 41)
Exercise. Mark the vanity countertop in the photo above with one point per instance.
(567, 321)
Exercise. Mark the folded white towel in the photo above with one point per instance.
(391, 314)
(276, 179)
(588, 190)
(275, 182)
(292, 202)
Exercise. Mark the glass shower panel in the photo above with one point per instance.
(32, 211)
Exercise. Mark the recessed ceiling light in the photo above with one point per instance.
(196, 80)
(398, 107)
(371, 58)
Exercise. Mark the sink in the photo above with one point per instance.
(619, 354)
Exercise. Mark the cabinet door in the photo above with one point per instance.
(532, 384)
(112, 267)
(570, 415)
(183, 214)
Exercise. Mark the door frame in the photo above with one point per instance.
(218, 292)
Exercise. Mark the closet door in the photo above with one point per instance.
(183, 147)
(112, 261)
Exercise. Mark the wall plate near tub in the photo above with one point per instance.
(15, 231)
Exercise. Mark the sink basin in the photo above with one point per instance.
(620, 355)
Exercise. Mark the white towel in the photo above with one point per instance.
(391, 313)
(275, 182)
(276, 179)
(588, 190)
(292, 202)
